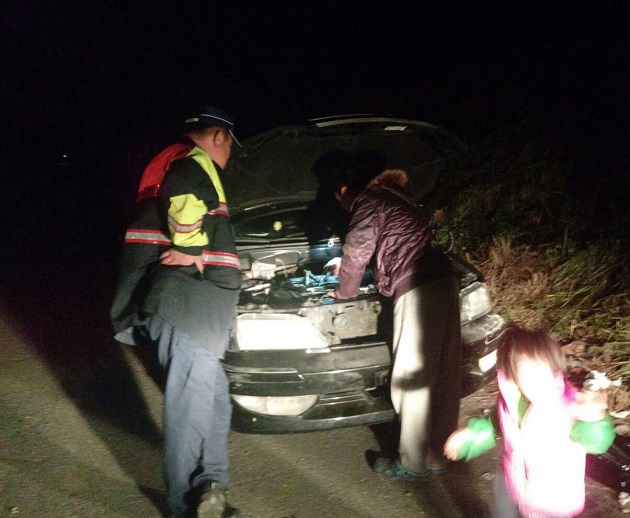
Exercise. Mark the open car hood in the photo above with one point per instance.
(279, 163)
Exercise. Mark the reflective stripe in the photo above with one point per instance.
(221, 211)
(183, 228)
(217, 212)
(154, 237)
(220, 259)
(134, 235)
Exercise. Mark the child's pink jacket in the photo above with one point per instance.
(543, 467)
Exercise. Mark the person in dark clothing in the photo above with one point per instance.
(389, 228)
(178, 288)
(335, 224)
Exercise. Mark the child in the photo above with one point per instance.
(547, 425)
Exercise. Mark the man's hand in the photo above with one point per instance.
(174, 258)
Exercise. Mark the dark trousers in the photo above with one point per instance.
(197, 414)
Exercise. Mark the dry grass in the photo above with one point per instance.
(582, 297)
(546, 262)
(575, 299)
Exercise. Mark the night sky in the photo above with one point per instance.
(102, 81)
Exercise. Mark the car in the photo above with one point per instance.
(299, 360)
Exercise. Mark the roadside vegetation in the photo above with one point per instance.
(549, 231)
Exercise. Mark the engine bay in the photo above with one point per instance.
(303, 293)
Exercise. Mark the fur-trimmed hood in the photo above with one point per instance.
(396, 178)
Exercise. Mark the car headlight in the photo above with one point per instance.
(255, 331)
(281, 406)
(474, 301)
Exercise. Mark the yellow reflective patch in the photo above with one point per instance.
(202, 158)
(185, 219)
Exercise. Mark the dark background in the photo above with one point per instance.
(90, 90)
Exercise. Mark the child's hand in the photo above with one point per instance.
(590, 405)
(455, 441)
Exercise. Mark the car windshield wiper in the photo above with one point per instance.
(249, 238)
(265, 238)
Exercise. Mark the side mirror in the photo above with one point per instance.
(444, 238)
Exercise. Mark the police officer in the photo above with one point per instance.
(179, 285)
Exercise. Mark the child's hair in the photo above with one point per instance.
(537, 344)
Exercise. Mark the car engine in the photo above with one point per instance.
(303, 293)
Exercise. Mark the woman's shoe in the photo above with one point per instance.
(394, 469)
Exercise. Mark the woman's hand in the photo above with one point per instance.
(332, 266)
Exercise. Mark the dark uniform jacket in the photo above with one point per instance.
(190, 214)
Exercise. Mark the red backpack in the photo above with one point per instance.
(155, 171)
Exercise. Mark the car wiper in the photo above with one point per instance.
(267, 237)
(252, 239)
(292, 236)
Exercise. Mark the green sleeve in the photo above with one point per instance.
(595, 436)
(482, 441)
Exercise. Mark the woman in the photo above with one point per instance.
(388, 226)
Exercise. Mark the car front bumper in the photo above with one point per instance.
(350, 380)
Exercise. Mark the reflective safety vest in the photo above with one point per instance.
(187, 213)
(197, 223)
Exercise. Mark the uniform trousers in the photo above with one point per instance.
(197, 414)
